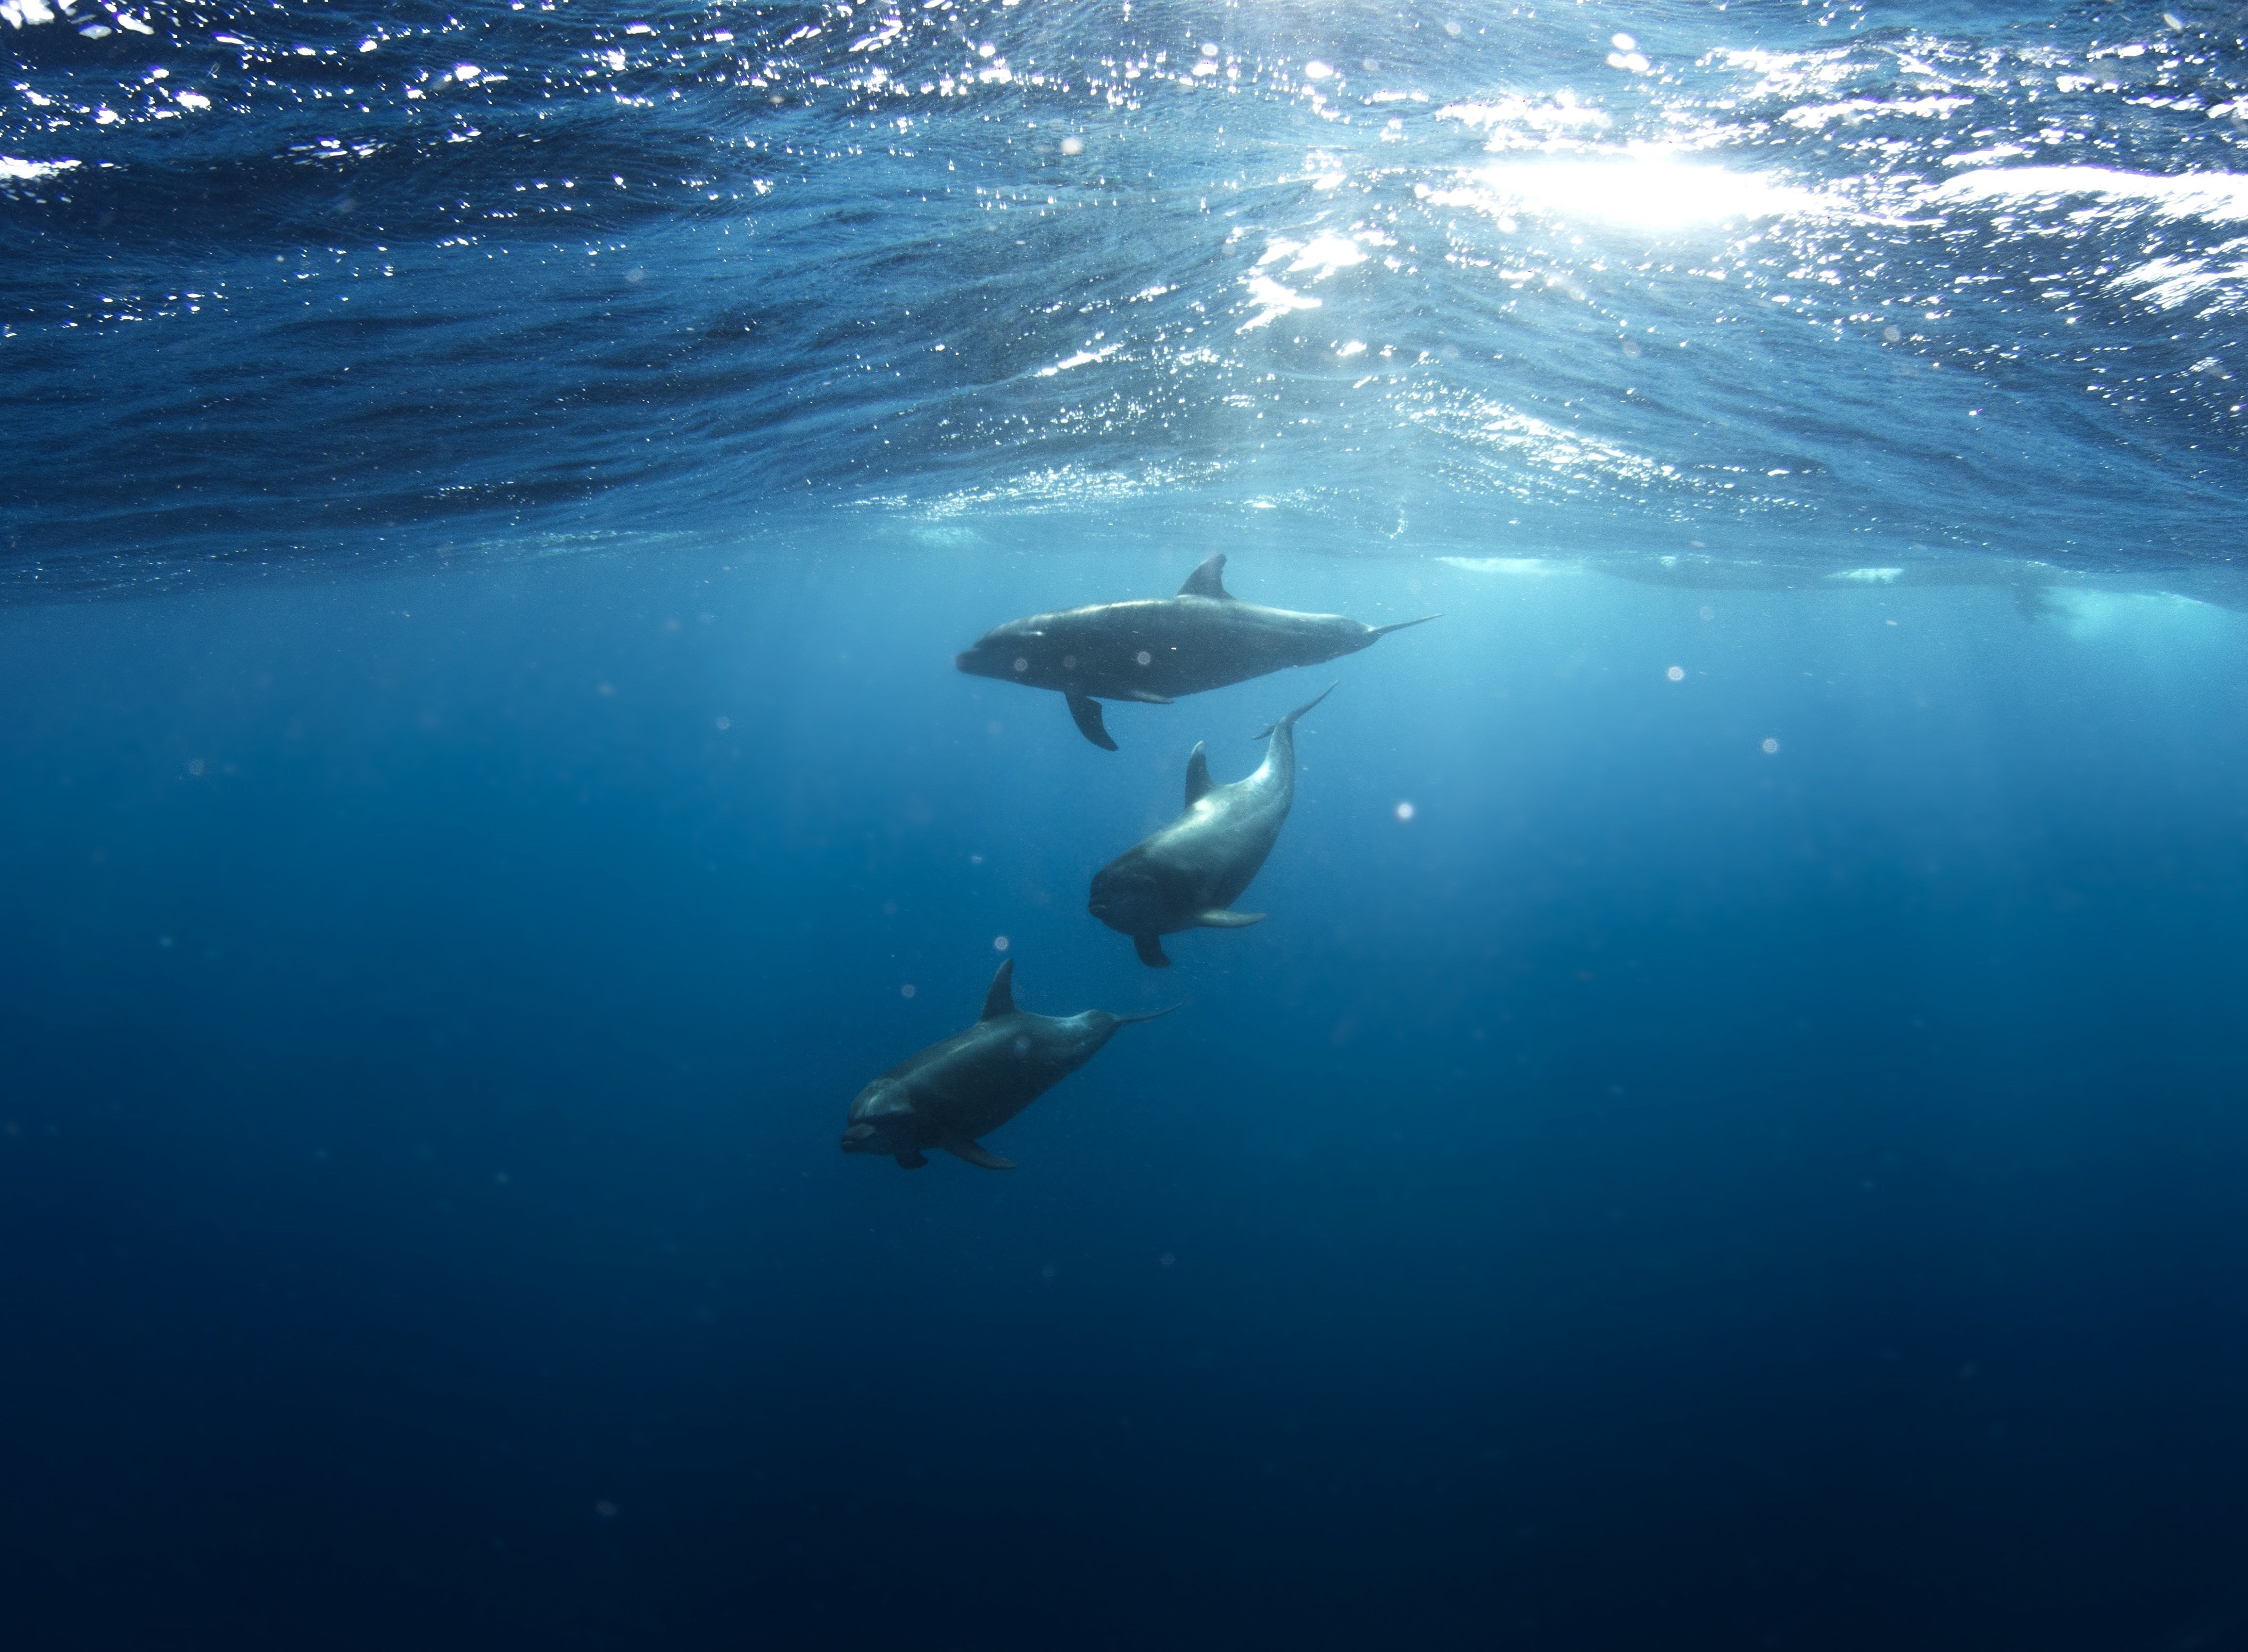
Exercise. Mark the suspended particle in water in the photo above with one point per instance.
(1144, 657)
(1021, 664)
(1404, 812)
(724, 723)
(1708, 612)
(906, 990)
(1770, 747)
(1676, 673)
(1000, 944)
(1073, 146)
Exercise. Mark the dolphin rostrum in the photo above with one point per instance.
(1156, 649)
(975, 1081)
(1187, 875)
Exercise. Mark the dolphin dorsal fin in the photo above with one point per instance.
(1000, 1000)
(1198, 780)
(1208, 580)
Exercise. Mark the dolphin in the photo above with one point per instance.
(1153, 650)
(1187, 875)
(975, 1081)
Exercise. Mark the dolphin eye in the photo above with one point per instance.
(1021, 664)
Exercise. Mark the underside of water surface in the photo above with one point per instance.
(1730, 1129)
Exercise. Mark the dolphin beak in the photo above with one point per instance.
(856, 1138)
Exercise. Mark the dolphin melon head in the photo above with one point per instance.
(1013, 652)
(1125, 898)
(881, 1120)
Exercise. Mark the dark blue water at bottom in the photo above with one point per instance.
(1665, 1192)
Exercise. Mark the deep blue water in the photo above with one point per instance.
(1748, 1157)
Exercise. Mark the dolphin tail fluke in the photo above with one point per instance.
(1219, 918)
(1150, 949)
(1405, 625)
(1289, 722)
(1086, 711)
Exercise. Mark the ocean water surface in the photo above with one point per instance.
(1732, 1131)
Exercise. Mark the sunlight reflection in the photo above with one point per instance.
(1649, 188)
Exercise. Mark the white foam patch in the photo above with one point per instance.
(15, 171)
(1868, 576)
(1517, 567)
(2087, 615)
(2218, 197)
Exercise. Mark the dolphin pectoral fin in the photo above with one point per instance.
(976, 1153)
(1405, 625)
(1208, 580)
(1218, 918)
(1198, 780)
(910, 1159)
(1086, 711)
(1150, 949)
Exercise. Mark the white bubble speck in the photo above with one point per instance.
(1021, 664)
(1319, 71)
(1623, 43)
(1404, 812)
(1708, 612)
(1676, 673)
(724, 723)
(194, 766)
(1770, 747)
(1144, 657)
(906, 990)
(1073, 146)
(1000, 944)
